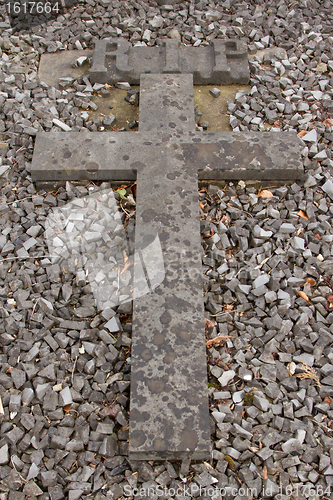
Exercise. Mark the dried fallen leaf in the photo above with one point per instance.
(303, 295)
(317, 236)
(208, 324)
(125, 256)
(201, 205)
(215, 340)
(300, 213)
(301, 133)
(225, 220)
(310, 281)
(126, 266)
(309, 372)
(67, 408)
(133, 190)
(327, 400)
(328, 122)
(107, 86)
(330, 301)
(208, 235)
(228, 307)
(265, 193)
(264, 472)
(230, 461)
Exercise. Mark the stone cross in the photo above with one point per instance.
(169, 417)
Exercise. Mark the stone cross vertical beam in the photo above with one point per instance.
(169, 398)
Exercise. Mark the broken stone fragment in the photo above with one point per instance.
(226, 377)
(215, 92)
(123, 85)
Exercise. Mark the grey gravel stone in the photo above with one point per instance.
(215, 92)
(4, 455)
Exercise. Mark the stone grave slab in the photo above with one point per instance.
(169, 406)
(222, 62)
(169, 416)
(61, 65)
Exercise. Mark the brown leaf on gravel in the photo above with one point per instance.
(133, 190)
(330, 301)
(230, 461)
(300, 213)
(201, 205)
(215, 340)
(264, 472)
(209, 325)
(310, 373)
(303, 295)
(311, 281)
(301, 133)
(265, 193)
(328, 122)
(126, 266)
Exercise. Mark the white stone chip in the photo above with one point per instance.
(226, 377)
(310, 136)
(61, 125)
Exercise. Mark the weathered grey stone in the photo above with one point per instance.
(51, 66)
(226, 377)
(215, 92)
(291, 445)
(18, 376)
(4, 455)
(222, 62)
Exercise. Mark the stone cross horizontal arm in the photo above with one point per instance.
(169, 416)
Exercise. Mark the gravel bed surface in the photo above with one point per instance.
(267, 262)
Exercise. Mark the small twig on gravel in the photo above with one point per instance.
(11, 460)
(29, 257)
(324, 427)
(215, 340)
(21, 199)
(72, 377)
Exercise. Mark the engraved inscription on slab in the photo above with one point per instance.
(223, 62)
